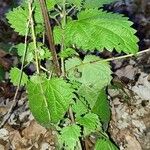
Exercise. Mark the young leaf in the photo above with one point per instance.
(29, 53)
(49, 100)
(96, 3)
(69, 52)
(90, 123)
(105, 144)
(70, 136)
(51, 3)
(80, 107)
(44, 53)
(102, 108)
(58, 32)
(96, 29)
(18, 18)
(22, 15)
(92, 71)
(75, 2)
(14, 76)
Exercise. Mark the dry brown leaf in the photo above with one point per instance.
(33, 131)
(133, 144)
(15, 139)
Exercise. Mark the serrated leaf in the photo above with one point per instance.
(102, 107)
(58, 32)
(89, 93)
(96, 29)
(70, 136)
(29, 54)
(51, 3)
(44, 52)
(80, 107)
(22, 14)
(96, 3)
(14, 76)
(90, 123)
(69, 52)
(75, 2)
(90, 72)
(19, 24)
(105, 144)
(49, 100)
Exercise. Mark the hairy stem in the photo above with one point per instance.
(113, 58)
(14, 102)
(34, 39)
(64, 15)
(50, 36)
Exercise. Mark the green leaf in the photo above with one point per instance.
(18, 18)
(102, 108)
(51, 3)
(89, 93)
(14, 76)
(29, 54)
(44, 52)
(80, 107)
(69, 52)
(75, 2)
(105, 144)
(70, 136)
(96, 29)
(90, 123)
(49, 100)
(58, 32)
(22, 15)
(92, 71)
(96, 3)
(2, 73)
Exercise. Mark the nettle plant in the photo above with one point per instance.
(67, 92)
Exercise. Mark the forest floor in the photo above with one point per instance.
(129, 96)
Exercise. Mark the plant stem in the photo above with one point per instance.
(73, 122)
(127, 56)
(113, 58)
(71, 115)
(34, 38)
(14, 101)
(50, 36)
(64, 15)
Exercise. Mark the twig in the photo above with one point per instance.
(113, 58)
(71, 115)
(14, 102)
(127, 56)
(50, 36)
